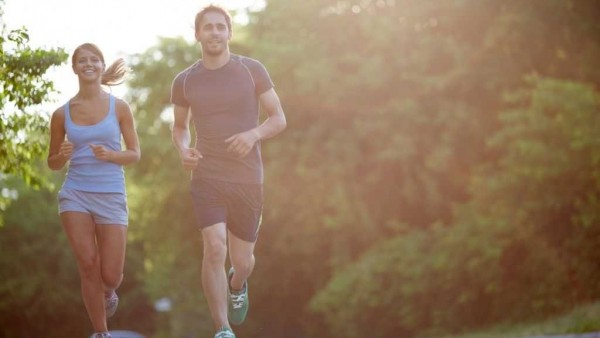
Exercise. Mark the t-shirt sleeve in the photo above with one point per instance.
(177, 91)
(262, 80)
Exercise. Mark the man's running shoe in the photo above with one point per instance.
(225, 332)
(237, 302)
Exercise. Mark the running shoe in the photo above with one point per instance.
(224, 332)
(238, 303)
(110, 304)
(102, 335)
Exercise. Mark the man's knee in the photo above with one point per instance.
(243, 264)
(215, 244)
(215, 251)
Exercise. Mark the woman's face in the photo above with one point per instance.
(88, 65)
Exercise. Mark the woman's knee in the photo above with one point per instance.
(89, 266)
(112, 279)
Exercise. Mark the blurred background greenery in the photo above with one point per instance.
(440, 174)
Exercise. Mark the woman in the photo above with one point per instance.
(86, 132)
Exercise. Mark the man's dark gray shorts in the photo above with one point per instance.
(238, 205)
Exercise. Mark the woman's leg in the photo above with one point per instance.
(81, 232)
(112, 241)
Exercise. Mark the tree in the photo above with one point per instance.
(39, 274)
(521, 249)
(23, 134)
(390, 107)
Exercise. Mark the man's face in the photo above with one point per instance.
(213, 34)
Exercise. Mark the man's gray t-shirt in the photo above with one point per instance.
(224, 102)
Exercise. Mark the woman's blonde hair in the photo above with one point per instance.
(114, 74)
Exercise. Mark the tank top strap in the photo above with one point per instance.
(67, 108)
(111, 105)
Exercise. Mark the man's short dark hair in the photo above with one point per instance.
(212, 8)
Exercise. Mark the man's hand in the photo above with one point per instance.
(190, 158)
(242, 143)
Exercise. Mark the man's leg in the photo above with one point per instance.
(214, 279)
(241, 255)
(242, 261)
(245, 209)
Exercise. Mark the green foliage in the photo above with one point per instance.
(582, 319)
(439, 172)
(390, 106)
(552, 165)
(22, 85)
(374, 139)
(441, 280)
(39, 274)
(514, 253)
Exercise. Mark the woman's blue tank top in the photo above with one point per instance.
(86, 172)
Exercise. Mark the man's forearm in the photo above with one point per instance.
(272, 126)
(181, 137)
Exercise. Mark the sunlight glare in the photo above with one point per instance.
(119, 28)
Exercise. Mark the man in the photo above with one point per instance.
(222, 93)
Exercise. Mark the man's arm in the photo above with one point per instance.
(180, 134)
(275, 123)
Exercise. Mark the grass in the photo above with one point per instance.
(580, 320)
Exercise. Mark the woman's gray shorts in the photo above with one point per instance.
(105, 208)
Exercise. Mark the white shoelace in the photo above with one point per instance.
(238, 300)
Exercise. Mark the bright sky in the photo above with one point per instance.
(119, 27)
